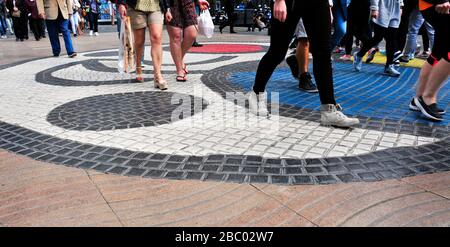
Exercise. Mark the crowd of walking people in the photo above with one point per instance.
(318, 27)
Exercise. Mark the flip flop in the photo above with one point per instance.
(181, 78)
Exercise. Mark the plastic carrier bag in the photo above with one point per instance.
(127, 54)
(205, 24)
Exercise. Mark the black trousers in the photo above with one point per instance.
(317, 22)
(37, 27)
(20, 26)
(93, 21)
(380, 33)
(404, 22)
(358, 24)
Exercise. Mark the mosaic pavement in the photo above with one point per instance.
(83, 113)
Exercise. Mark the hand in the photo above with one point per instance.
(279, 10)
(443, 8)
(42, 15)
(122, 11)
(15, 9)
(374, 14)
(168, 16)
(203, 4)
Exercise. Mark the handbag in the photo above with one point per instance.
(16, 13)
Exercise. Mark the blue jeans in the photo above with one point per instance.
(415, 22)
(53, 28)
(3, 25)
(340, 27)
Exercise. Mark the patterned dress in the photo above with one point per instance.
(183, 13)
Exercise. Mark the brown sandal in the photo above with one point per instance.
(181, 78)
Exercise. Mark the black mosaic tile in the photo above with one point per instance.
(326, 179)
(117, 170)
(136, 172)
(238, 178)
(280, 179)
(259, 179)
(214, 176)
(303, 180)
(195, 175)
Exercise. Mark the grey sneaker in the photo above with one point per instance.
(391, 71)
(357, 62)
(257, 103)
(331, 115)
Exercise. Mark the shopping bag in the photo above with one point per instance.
(205, 24)
(127, 54)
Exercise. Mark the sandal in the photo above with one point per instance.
(161, 84)
(185, 69)
(181, 78)
(139, 77)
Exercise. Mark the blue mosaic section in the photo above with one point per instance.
(367, 93)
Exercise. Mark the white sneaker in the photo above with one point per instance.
(257, 103)
(91, 33)
(331, 115)
(96, 33)
(3, 37)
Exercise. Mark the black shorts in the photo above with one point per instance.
(441, 24)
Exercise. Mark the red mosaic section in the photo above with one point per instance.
(226, 48)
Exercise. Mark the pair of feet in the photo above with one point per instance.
(70, 55)
(330, 114)
(305, 82)
(389, 69)
(93, 33)
(159, 81)
(431, 111)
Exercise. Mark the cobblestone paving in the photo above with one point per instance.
(222, 142)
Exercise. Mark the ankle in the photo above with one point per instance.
(429, 100)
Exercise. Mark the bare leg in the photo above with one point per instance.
(156, 49)
(139, 39)
(302, 55)
(438, 76)
(175, 34)
(423, 78)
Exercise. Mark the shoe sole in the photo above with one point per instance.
(425, 112)
(413, 108)
(391, 75)
(309, 91)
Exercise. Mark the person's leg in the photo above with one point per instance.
(52, 28)
(96, 22)
(2, 25)
(175, 35)
(302, 54)
(16, 27)
(189, 35)
(379, 33)
(391, 44)
(415, 22)
(430, 35)
(156, 49)
(139, 40)
(24, 24)
(91, 22)
(339, 27)
(72, 24)
(425, 39)
(64, 29)
(317, 23)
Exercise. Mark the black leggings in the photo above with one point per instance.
(317, 22)
(389, 34)
(441, 46)
(358, 25)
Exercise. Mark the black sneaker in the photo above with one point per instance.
(428, 110)
(413, 107)
(291, 60)
(371, 55)
(72, 55)
(404, 59)
(306, 84)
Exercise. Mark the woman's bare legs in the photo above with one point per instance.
(180, 43)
